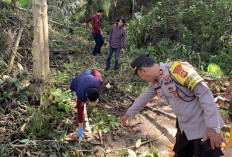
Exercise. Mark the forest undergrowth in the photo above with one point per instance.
(47, 126)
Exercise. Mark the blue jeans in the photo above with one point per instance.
(98, 43)
(110, 53)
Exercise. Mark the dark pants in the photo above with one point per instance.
(98, 43)
(185, 148)
(230, 110)
(110, 53)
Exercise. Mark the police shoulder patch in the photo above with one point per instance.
(185, 75)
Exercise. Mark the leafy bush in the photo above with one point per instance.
(62, 99)
(105, 122)
(23, 3)
(43, 120)
(182, 29)
(215, 70)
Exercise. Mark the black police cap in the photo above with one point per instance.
(138, 61)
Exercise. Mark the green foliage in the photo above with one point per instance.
(226, 134)
(131, 153)
(42, 122)
(223, 60)
(150, 153)
(62, 99)
(24, 141)
(62, 76)
(181, 29)
(214, 70)
(2, 152)
(37, 123)
(6, 95)
(106, 6)
(23, 3)
(8, 88)
(104, 121)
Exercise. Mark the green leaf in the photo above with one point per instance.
(105, 130)
(11, 80)
(215, 70)
(138, 143)
(18, 84)
(20, 67)
(25, 141)
(131, 153)
(226, 134)
(108, 107)
(1, 82)
(2, 151)
(153, 152)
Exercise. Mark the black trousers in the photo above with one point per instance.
(98, 43)
(192, 148)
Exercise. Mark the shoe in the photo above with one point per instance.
(106, 69)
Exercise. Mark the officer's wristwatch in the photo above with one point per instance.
(217, 130)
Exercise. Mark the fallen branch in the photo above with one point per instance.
(31, 143)
(17, 40)
(85, 150)
(17, 145)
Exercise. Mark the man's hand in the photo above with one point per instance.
(101, 33)
(84, 24)
(80, 133)
(216, 139)
(123, 50)
(108, 45)
(124, 119)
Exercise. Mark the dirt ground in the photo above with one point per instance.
(146, 126)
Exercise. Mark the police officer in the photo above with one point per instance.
(198, 119)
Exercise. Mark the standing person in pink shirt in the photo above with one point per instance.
(96, 31)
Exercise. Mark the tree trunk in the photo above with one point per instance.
(133, 9)
(40, 49)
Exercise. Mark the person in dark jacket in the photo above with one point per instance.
(96, 31)
(116, 42)
(85, 87)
